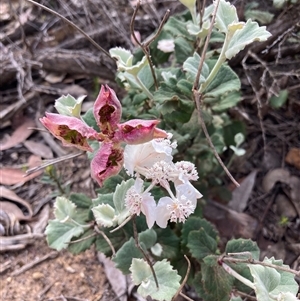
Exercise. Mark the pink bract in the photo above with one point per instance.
(107, 162)
(107, 110)
(137, 131)
(70, 130)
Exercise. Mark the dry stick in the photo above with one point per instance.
(259, 103)
(184, 280)
(73, 25)
(198, 97)
(51, 162)
(201, 9)
(106, 239)
(244, 295)
(145, 47)
(265, 264)
(30, 265)
(136, 239)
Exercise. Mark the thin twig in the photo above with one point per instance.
(184, 280)
(202, 123)
(265, 264)
(106, 239)
(258, 102)
(203, 54)
(136, 239)
(201, 9)
(31, 264)
(198, 96)
(145, 46)
(51, 162)
(73, 25)
(82, 239)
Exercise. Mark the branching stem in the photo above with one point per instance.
(145, 46)
(136, 239)
(198, 93)
(106, 239)
(184, 281)
(196, 83)
(265, 264)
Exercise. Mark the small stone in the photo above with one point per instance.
(37, 275)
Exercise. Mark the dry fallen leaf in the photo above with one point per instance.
(39, 149)
(11, 176)
(115, 277)
(241, 194)
(293, 157)
(19, 135)
(10, 195)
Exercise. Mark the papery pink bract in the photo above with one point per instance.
(70, 130)
(107, 110)
(137, 131)
(107, 162)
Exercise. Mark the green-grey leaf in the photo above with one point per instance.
(69, 106)
(84, 243)
(120, 193)
(201, 244)
(125, 255)
(167, 278)
(250, 32)
(225, 81)
(213, 283)
(227, 101)
(148, 238)
(196, 223)
(60, 234)
(105, 215)
(64, 209)
(191, 67)
(271, 283)
(81, 200)
(226, 15)
(279, 101)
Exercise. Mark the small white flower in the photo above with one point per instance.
(139, 158)
(187, 171)
(160, 172)
(137, 201)
(177, 209)
(166, 45)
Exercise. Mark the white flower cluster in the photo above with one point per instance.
(153, 161)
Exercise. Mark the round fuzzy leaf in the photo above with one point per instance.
(196, 223)
(105, 215)
(126, 254)
(167, 278)
(243, 245)
(201, 244)
(64, 209)
(250, 32)
(226, 15)
(213, 283)
(271, 284)
(60, 234)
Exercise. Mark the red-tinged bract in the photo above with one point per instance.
(107, 162)
(107, 110)
(70, 130)
(137, 131)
